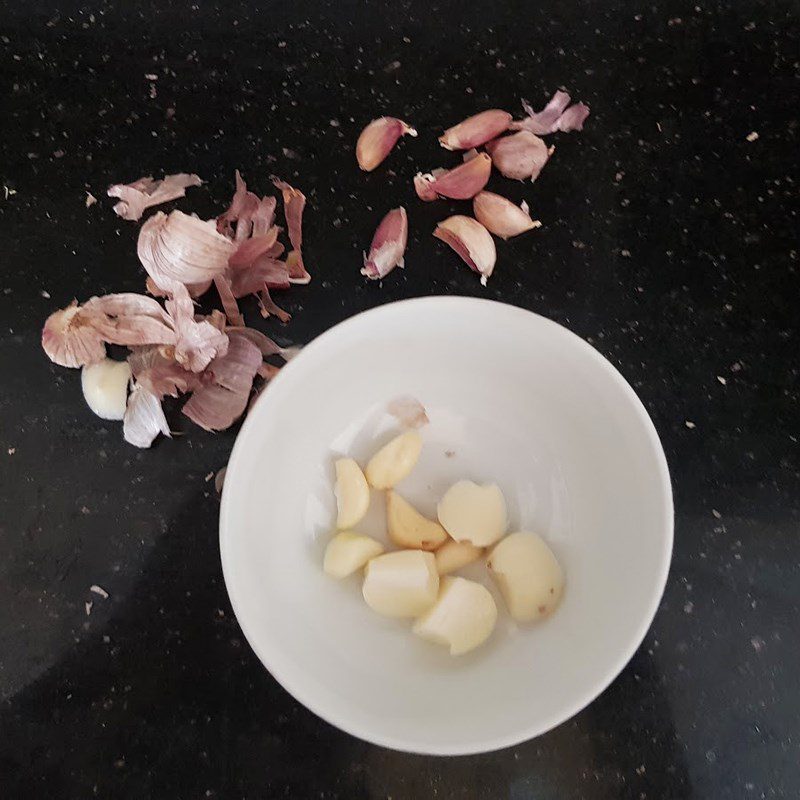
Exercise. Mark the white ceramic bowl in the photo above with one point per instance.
(512, 398)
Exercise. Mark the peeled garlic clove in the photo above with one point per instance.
(105, 387)
(394, 461)
(352, 493)
(473, 513)
(463, 617)
(452, 556)
(501, 217)
(408, 411)
(377, 140)
(408, 528)
(348, 552)
(401, 584)
(519, 156)
(528, 575)
(476, 130)
(471, 241)
(388, 245)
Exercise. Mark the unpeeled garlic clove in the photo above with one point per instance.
(453, 556)
(471, 241)
(473, 513)
(519, 156)
(401, 584)
(388, 245)
(476, 130)
(529, 576)
(352, 493)
(347, 552)
(408, 528)
(105, 387)
(377, 140)
(423, 186)
(501, 217)
(460, 183)
(394, 460)
(462, 618)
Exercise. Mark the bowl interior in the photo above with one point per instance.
(512, 398)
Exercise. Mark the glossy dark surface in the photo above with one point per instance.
(669, 242)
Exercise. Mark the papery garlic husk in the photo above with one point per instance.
(460, 183)
(501, 217)
(519, 156)
(178, 248)
(377, 140)
(139, 195)
(555, 116)
(471, 241)
(388, 245)
(476, 130)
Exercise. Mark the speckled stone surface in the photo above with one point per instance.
(668, 241)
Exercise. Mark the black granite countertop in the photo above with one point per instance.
(668, 241)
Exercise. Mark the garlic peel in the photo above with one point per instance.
(135, 197)
(555, 116)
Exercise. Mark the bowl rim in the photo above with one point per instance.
(522, 734)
